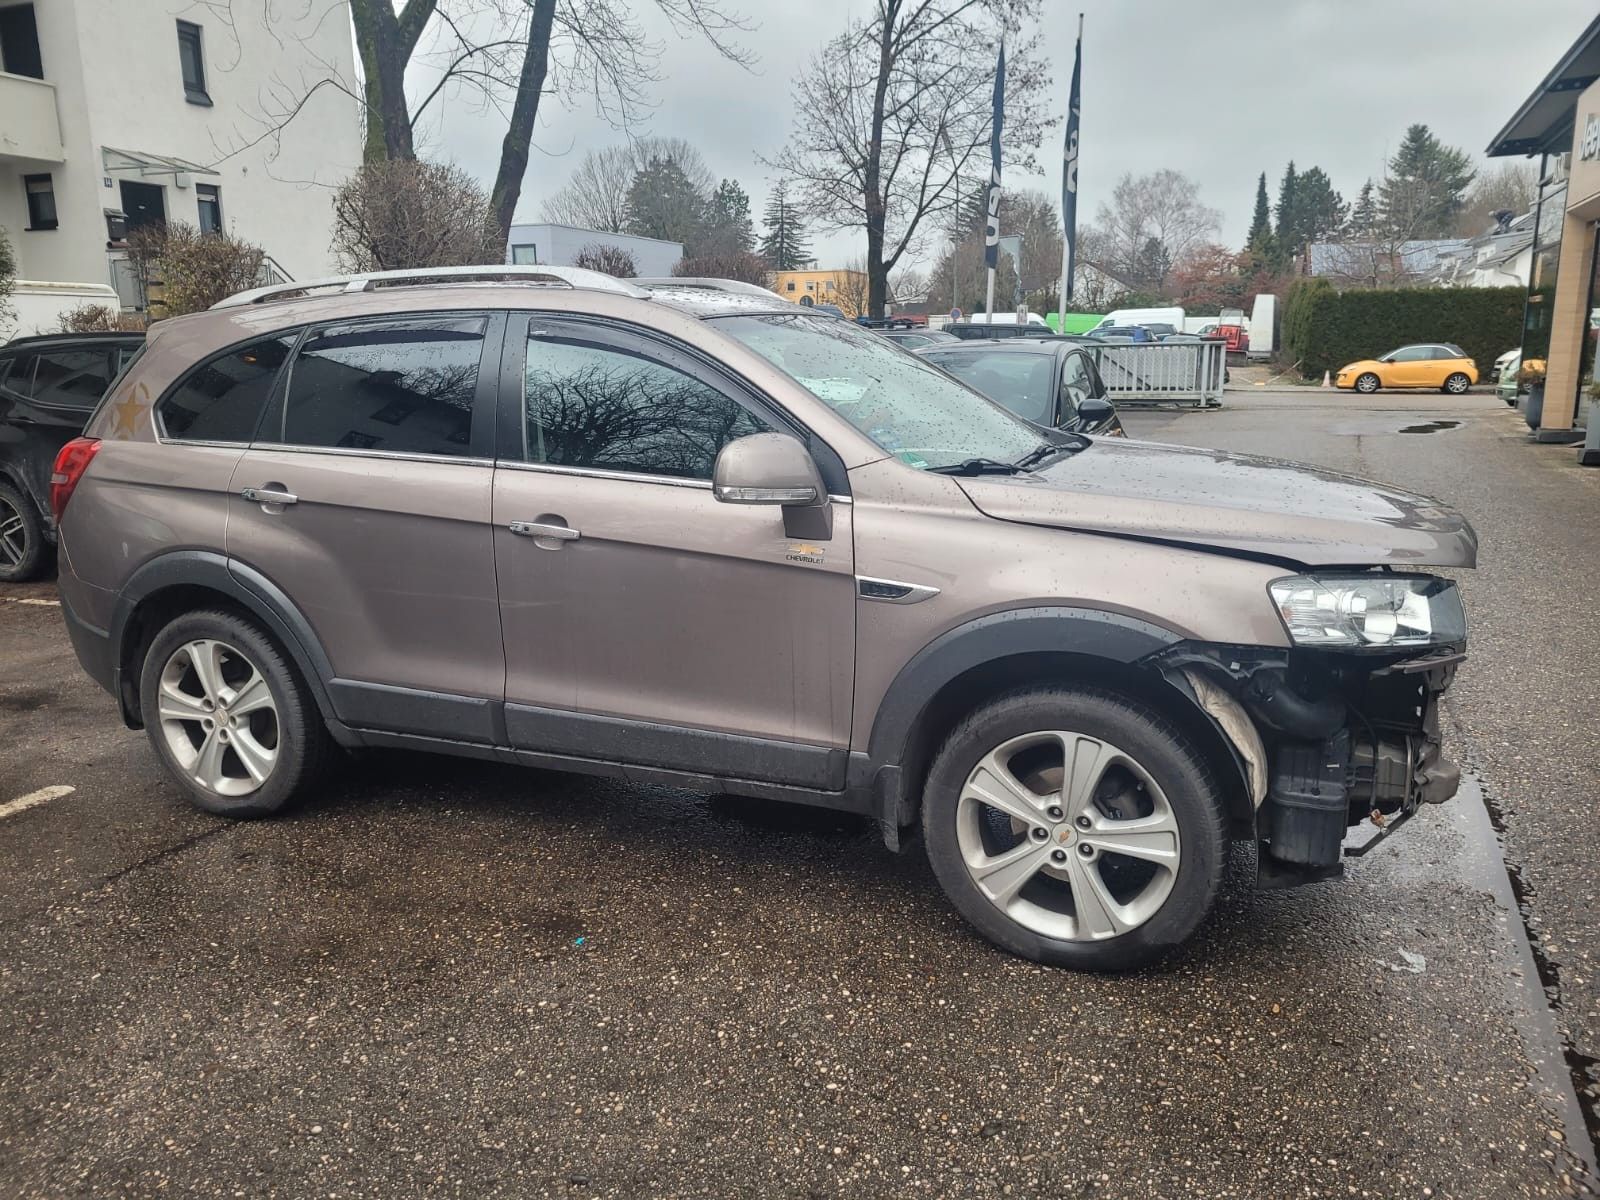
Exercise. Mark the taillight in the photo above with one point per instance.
(71, 463)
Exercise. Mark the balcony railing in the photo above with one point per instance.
(31, 129)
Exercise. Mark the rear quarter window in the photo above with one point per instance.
(222, 400)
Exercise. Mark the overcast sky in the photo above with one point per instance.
(1219, 91)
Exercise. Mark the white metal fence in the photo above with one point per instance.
(1169, 372)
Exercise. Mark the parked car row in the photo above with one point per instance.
(684, 536)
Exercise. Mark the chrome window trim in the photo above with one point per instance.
(355, 452)
(511, 464)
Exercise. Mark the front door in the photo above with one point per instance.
(646, 621)
(365, 498)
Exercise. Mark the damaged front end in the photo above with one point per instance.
(1341, 730)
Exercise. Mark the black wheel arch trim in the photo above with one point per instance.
(1088, 631)
(240, 583)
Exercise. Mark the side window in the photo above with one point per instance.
(1077, 384)
(19, 379)
(590, 406)
(73, 378)
(222, 401)
(402, 386)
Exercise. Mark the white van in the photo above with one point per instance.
(38, 305)
(1004, 318)
(1263, 327)
(1145, 316)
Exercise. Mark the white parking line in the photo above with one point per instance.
(33, 799)
(29, 600)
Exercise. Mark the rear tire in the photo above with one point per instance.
(1457, 384)
(229, 717)
(1040, 873)
(22, 540)
(1368, 383)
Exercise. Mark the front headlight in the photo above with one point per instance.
(1370, 611)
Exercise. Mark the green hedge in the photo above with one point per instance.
(1323, 329)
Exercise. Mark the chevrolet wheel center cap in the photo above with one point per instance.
(1064, 835)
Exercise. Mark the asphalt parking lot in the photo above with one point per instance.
(451, 978)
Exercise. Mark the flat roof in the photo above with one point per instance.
(1543, 123)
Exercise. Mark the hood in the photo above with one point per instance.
(1235, 502)
(1361, 364)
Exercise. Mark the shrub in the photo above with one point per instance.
(98, 318)
(1324, 329)
(8, 275)
(183, 270)
(397, 215)
(607, 259)
(740, 264)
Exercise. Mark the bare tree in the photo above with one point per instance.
(595, 195)
(1152, 223)
(892, 112)
(743, 265)
(1510, 187)
(607, 259)
(394, 215)
(182, 270)
(909, 284)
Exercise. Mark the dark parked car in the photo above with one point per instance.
(1123, 333)
(982, 331)
(915, 339)
(1052, 383)
(48, 387)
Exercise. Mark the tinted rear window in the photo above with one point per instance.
(398, 386)
(73, 378)
(222, 401)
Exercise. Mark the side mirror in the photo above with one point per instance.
(767, 468)
(1094, 415)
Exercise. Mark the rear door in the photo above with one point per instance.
(51, 392)
(365, 497)
(646, 621)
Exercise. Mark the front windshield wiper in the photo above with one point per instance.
(1045, 449)
(980, 466)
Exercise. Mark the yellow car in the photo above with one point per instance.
(1434, 365)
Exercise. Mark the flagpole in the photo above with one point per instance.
(991, 248)
(1069, 183)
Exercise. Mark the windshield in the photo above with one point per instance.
(1024, 383)
(907, 406)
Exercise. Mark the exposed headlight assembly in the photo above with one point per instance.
(1376, 612)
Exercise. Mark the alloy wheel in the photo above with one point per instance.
(1068, 835)
(218, 717)
(1367, 384)
(13, 535)
(1457, 384)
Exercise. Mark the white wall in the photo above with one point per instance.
(116, 68)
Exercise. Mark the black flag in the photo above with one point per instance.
(991, 229)
(1069, 179)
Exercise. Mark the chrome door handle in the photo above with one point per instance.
(267, 495)
(561, 533)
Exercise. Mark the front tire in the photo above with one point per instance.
(1368, 383)
(228, 716)
(1075, 827)
(21, 536)
(1457, 384)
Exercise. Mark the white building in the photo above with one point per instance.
(165, 109)
(558, 245)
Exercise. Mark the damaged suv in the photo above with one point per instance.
(692, 534)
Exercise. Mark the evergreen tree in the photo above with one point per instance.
(1425, 186)
(1261, 250)
(728, 228)
(1364, 216)
(1288, 228)
(784, 243)
(1321, 210)
(664, 203)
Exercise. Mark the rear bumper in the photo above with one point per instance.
(93, 648)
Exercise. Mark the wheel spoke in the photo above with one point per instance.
(178, 705)
(208, 763)
(1153, 838)
(251, 696)
(1004, 875)
(992, 783)
(1085, 762)
(1098, 914)
(206, 658)
(256, 758)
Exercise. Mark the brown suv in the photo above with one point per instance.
(695, 535)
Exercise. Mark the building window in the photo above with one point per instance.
(789, 287)
(41, 191)
(19, 42)
(209, 199)
(525, 254)
(193, 61)
(811, 285)
(829, 285)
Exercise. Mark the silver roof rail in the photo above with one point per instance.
(572, 277)
(733, 287)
